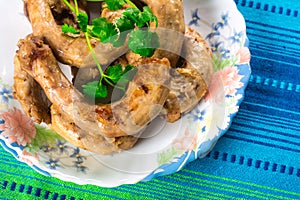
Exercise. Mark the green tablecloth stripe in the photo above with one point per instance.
(161, 190)
(174, 185)
(227, 187)
(55, 186)
(168, 191)
(218, 178)
(214, 186)
(183, 187)
(137, 191)
(179, 190)
(164, 189)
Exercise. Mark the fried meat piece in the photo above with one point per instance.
(189, 83)
(141, 103)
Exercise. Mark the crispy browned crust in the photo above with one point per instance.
(46, 19)
(189, 83)
(82, 139)
(141, 103)
(30, 95)
(75, 52)
(109, 128)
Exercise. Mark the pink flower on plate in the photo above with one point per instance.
(244, 55)
(17, 127)
(28, 157)
(224, 82)
(187, 142)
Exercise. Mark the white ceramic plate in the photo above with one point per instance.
(223, 27)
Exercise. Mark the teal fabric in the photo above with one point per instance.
(259, 156)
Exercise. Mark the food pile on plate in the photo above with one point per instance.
(130, 62)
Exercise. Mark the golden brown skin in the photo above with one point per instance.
(186, 89)
(86, 140)
(68, 50)
(30, 95)
(171, 26)
(189, 82)
(200, 56)
(142, 101)
(75, 52)
(113, 127)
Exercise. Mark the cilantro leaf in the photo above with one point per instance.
(114, 4)
(98, 26)
(105, 30)
(118, 40)
(83, 21)
(127, 69)
(148, 15)
(135, 15)
(114, 72)
(95, 90)
(143, 42)
(119, 76)
(126, 76)
(66, 28)
(124, 23)
(140, 18)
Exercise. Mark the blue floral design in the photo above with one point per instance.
(223, 22)
(215, 32)
(78, 165)
(53, 163)
(198, 115)
(65, 153)
(195, 18)
(6, 94)
(62, 147)
(76, 154)
(236, 38)
(224, 53)
(215, 38)
(215, 46)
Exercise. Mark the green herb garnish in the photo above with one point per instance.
(140, 41)
(114, 4)
(66, 28)
(143, 42)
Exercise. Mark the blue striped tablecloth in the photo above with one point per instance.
(258, 158)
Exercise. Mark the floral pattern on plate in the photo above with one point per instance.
(46, 152)
(212, 117)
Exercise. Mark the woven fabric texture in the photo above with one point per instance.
(259, 156)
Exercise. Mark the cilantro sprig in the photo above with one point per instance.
(141, 41)
(115, 76)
